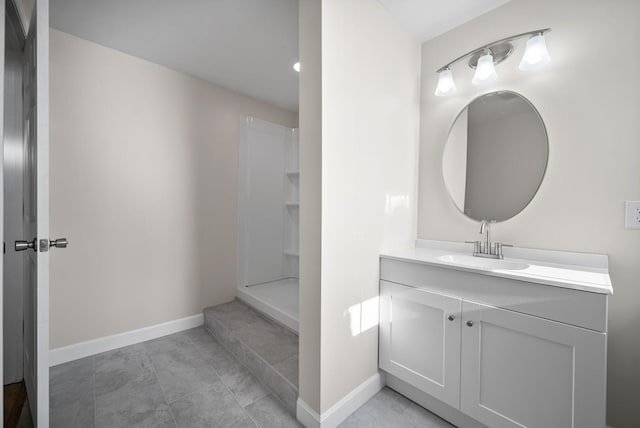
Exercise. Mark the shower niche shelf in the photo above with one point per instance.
(268, 202)
(291, 250)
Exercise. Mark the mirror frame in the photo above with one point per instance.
(546, 165)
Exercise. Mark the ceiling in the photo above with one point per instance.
(426, 19)
(248, 46)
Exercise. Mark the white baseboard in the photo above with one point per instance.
(108, 343)
(308, 417)
(340, 411)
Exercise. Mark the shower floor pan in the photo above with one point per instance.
(276, 299)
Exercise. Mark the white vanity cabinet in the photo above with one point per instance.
(523, 371)
(421, 339)
(501, 352)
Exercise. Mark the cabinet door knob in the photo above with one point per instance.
(451, 317)
(470, 323)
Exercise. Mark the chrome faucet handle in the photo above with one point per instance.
(476, 246)
(499, 247)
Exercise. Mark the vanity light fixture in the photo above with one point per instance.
(536, 54)
(296, 67)
(485, 70)
(446, 84)
(485, 58)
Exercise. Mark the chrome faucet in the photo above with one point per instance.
(487, 248)
(485, 227)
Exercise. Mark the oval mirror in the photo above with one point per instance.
(496, 156)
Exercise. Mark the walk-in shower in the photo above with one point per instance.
(268, 223)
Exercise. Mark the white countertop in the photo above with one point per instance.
(578, 271)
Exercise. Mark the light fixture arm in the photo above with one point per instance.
(492, 44)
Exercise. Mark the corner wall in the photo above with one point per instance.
(309, 33)
(143, 174)
(589, 99)
(370, 115)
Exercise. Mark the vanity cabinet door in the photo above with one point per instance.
(420, 339)
(523, 371)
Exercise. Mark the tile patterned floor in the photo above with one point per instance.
(188, 380)
(388, 409)
(182, 380)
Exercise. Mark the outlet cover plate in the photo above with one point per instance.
(632, 215)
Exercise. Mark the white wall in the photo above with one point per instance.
(370, 114)
(589, 98)
(309, 33)
(144, 184)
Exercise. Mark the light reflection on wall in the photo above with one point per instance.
(393, 202)
(363, 316)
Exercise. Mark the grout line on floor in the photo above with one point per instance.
(164, 395)
(95, 402)
(249, 349)
(225, 385)
(215, 372)
(191, 392)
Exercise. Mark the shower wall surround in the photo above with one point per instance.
(268, 203)
(594, 155)
(269, 219)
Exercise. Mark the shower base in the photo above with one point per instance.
(276, 299)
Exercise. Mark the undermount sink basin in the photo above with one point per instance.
(482, 263)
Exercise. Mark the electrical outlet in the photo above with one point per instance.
(632, 215)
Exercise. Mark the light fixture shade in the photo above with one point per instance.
(296, 67)
(446, 84)
(535, 54)
(485, 71)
